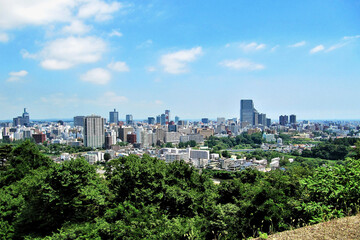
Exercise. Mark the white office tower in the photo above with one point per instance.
(94, 132)
(138, 133)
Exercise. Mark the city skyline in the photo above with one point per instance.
(61, 59)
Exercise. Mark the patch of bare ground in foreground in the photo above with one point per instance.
(341, 228)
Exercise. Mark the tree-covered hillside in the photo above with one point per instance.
(143, 197)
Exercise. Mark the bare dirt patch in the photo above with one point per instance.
(342, 228)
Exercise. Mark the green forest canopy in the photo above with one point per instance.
(143, 197)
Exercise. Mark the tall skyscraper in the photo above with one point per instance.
(262, 119)
(26, 118)
(129, 119)
(151, 120)
(292, 119)
(22, 120)
(255, 118)
(114, 116)
(158, 119)
(220, 120)
(205, 120)
(283, 120)
(268, 122)
(167, 116)
(177, 119)
(94, 131)
(79, 121)
(247, 111)
(163, 119)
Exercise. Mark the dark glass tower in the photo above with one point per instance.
(114, 116)
(247, 111)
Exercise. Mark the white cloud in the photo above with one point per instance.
(351, 37)
(145, 44)
(115, 33)
(65, 53)
(16, 76)
(19, 13)
(158, 102)
(100, 10)
(13, 79)
(175, 63)
(336, 46)
(252, 46)
(4, 38)
(76, 27)
(317, 49)
(242, 64)
(21, 73)
(298, 44)
(119, 66)
(97, 76)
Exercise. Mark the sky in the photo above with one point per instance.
(63, 58)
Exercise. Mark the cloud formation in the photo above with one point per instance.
(242, 64)
(252, 46)
(336, 46)
(298, 44)
(176, 63)
(119, 66)
(19, 13)
(76, 27)
(316, 49)
(351, 37)
(115, 33)
(145, 44)
(4, 38)
(21, 73)
(100, 10)
(16, 76)
(98, 76)
(64, 53)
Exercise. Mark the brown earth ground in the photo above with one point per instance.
(341, 228)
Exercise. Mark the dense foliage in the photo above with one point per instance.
(143, 197)
(336, 149)
(243, 140)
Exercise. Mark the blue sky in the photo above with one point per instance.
(62, 58)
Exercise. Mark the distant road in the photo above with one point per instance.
(244, 150)
(240, 150)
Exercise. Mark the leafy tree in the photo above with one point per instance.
(225, 154)
(107, 157)
(22, 159)
(332, 191)
(5, 151)
(169, 145)
(67, 192)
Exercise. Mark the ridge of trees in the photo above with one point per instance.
(143, 197)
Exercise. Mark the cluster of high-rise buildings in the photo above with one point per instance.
(284, 119)
(94, 131)
(98, 133)
(22, 120)
(249, 116)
